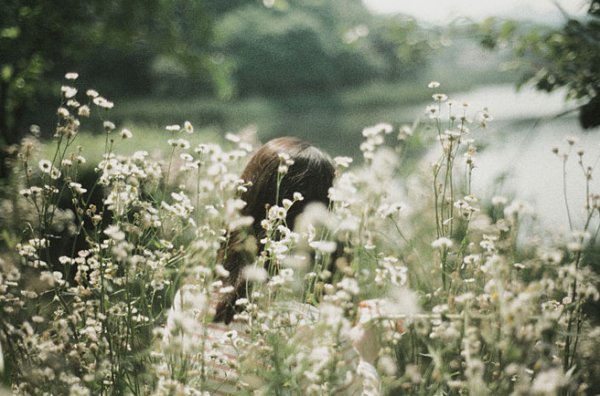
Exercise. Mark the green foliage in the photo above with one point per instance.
(40, 40)
(551, 58)
(318, 47)
(271, 46)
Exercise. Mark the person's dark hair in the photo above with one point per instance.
(311, 175)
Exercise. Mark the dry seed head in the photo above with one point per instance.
(572, 140)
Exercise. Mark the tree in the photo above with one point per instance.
(317, 47)
(42, 39)
(553, 58)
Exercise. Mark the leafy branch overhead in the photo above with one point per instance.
(552, 58)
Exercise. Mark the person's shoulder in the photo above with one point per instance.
(234, 329)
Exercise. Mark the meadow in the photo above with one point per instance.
(463, 299)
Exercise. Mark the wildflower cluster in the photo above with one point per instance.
(83, 294)
(115, 283)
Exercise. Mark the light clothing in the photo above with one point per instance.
(218, 350)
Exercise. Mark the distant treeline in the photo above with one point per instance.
(299, 46)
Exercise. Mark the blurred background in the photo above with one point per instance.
(319, 70)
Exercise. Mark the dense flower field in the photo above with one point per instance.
(462, 300)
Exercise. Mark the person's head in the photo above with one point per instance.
(311, 175)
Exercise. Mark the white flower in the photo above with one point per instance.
(287, 203)
(114, 232)
(432, 112)
(387, 364)
(549, 382)
(393, 208)
(277, 212)
(404, 132)
(58, 277)
(287, 273)
(54, 173)
(221, 271)
(64, 260)
(442, 242)
(45, 166)
(139, 155)
(517, 208)
(440, 97)
(344, 190)
(78, 389)
(109, 126)
(471, 259)
(188, 127)
(126, 134)
(324, 246)
(69, 92)
(92, 93)
(499, 201)
(433, 84)
(377, 129)
(37, 319)
(166, 243)
(242, 301)
(102, 102)
(77, 187)
(186, 157)
(226, 289)
(179, 197)
(184, 144)
(173, 128)
(64, 113)
(233, 138)
(572, 139)
(255, 273)
(350, 285)
(71, 76)
(551, 256)
(343, 162)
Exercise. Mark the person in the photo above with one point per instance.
(310, 172)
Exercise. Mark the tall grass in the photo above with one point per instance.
(456, 296)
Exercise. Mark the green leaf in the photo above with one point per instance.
(10, 33)
(6, 73)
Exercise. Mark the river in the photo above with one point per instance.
(519, 143)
